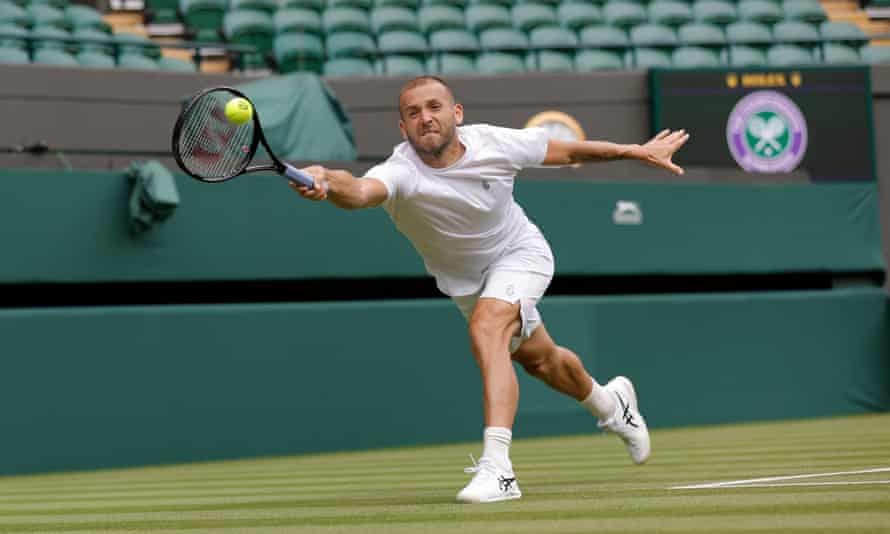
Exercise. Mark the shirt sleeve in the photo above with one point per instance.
(524, 148)
(392, 176)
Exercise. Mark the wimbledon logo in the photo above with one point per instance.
(766, 132)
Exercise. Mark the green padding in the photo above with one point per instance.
(301, 118)
(257, 228)
(86, 388)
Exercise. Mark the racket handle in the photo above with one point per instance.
(298, 176)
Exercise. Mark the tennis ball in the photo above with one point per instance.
(239, 111)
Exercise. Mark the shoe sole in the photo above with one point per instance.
(497, 499)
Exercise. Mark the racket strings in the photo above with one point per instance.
(209, 144)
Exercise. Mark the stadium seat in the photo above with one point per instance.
(161, 11)
(81, 16)
(605, 38)
(555, 37)
(576, 16)
(13, 56)
(700, 33)
(550, 61)
(401, 43)
(345, 19)
(554, 46)
(59, 4)
(252, 28)
(174, 64)
(131, 43)
(297, 20)
(46, 15)
(481, 17)
(386, 19)
(526, 17)
(553, 3)
(434, 18)
(746, 56)
(407, 4)
(695, 57)
(594, 60)
(453, 41)
(266, 6)
(297, 51)
(714, 11)
(504, 3)
(137, 62)
(653, 35)
(459, 4)
(54, 57)
(315, 5)
(349, 44)
(347, 66)
(357, 4)
(669, 12)
(762, 11)
(793, 31)
(50, 38)
(12, 36)
(842, 32)
(644, 58)
(785, 55)
(449, 63)
(837, 53)
(399, 65)
(804, 10)
(92, 40)
(94, 60)
(743, 32)
(13, 14)
(624, 13)
(205, 16)
(499, 63)
(499, 39)
(875, 54)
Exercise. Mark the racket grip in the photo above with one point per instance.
(298, 176)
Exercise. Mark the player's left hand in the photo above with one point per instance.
(660, 149)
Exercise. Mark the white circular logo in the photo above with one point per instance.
(767, 132)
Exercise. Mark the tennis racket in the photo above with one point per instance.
(211, 148)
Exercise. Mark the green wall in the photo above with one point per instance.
(100, 387)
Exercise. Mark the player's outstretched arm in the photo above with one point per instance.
(342, 188)
(658, 151)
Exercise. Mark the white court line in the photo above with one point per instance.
(731, 483)
(857, 483)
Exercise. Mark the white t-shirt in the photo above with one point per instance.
(462, 218)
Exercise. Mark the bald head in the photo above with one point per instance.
(424, 80)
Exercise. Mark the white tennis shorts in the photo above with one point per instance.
(521, 275)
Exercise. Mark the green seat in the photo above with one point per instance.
(13, 14)
(793, 31)
(80, 16)
(315, 5)
(12, 36)
(762, 11)
(553, 3)
(399, 65)
(345, 19)
(454, 41)
(554, 49)
(653, 35)
(297, 20)
(695, 57)
(94, 60)
(50, 38)
(136, 62)
(386, 19)
(450, 63)
(205, 16)
(60, 4)
(743, 32)
(349, 44)
(746, 56)
(46, 15)
(714, 11)
(701, 33)
(175, 64)
(296, 51)
(787, 55)
(594, 60)
(459, 4)
(555, 37)
(251, 28)
(645, 58)
(499, 63)
(162, 11)
(481, 17)
(347, 66)
(505, 3)
(875, 54)
(401, 43)
(499, 39)
(550, 61)
(131, 43)
(604, 37)
(838, 53)
(804, 10)
(624, 13)
(13, 56)
(670, 12)
(266, 6)
(526, 17)
(92, 40)
(842, 32)
(576, 16)
(358, 4)
(53, 57)
(407, 4)
(433, 18)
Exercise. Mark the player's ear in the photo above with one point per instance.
(458, 114)
(402, 129)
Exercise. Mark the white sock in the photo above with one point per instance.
(496, 446)
(600, 402)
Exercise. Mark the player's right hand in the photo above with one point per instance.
(320, 190)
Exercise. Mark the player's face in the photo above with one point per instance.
(429, 118)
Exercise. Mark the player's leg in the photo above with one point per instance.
(615, 404)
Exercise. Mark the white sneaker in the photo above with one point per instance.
(627, 421)
(489, 485)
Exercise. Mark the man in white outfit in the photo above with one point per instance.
(449, 190)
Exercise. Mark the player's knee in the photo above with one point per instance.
(539, 364)
(485, 326)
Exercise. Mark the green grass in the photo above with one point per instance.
(577, 484)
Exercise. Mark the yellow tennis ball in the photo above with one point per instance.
(239, 111)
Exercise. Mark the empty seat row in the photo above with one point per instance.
(93, 59)
(71, 17)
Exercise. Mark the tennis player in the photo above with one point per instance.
(449, 189)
